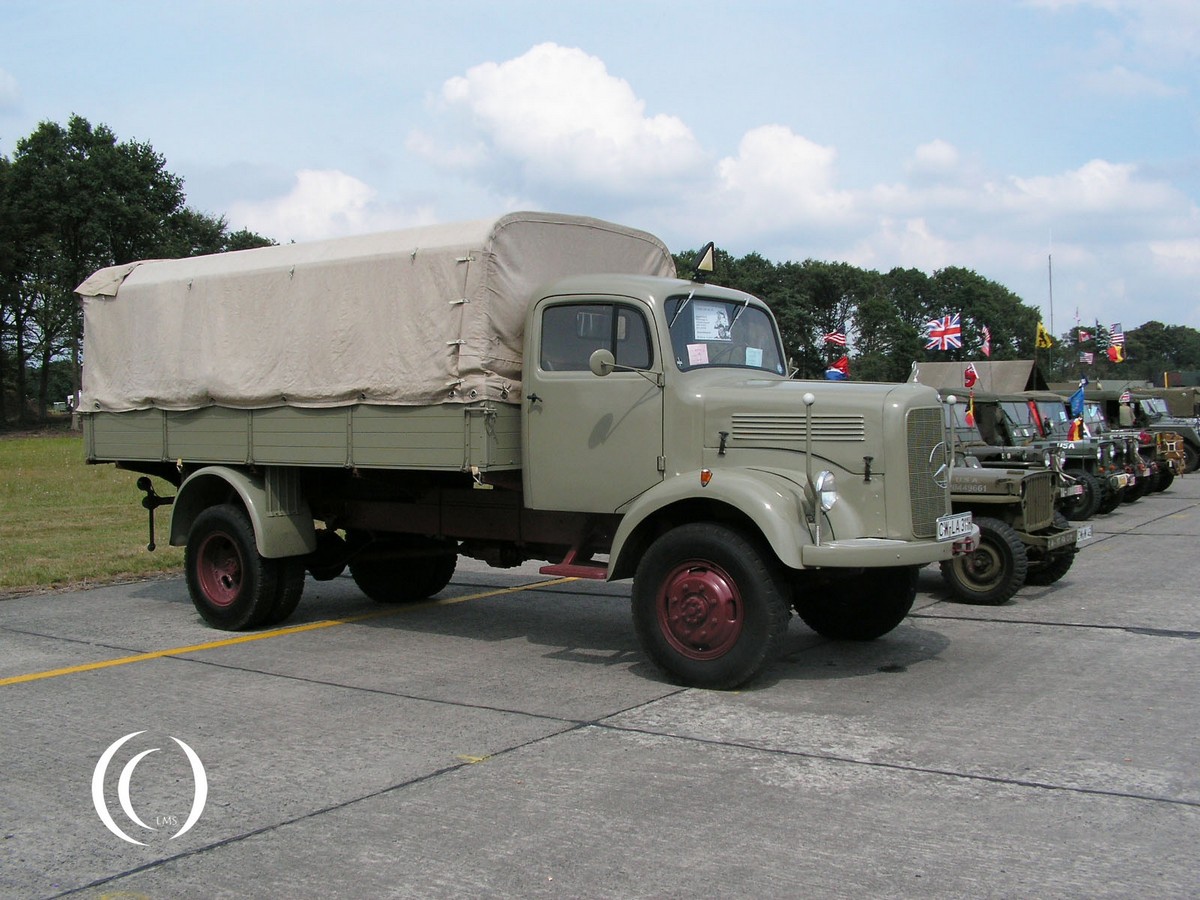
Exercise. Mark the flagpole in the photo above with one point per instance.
(1050, 349)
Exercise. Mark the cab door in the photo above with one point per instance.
(591, 443)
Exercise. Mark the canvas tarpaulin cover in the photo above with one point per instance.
(423, 316)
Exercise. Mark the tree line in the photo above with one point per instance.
(74, 199)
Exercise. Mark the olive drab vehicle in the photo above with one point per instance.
(1159, 456)
(1022, 536)
(1149, 412)
(1098, 464)
(533, 387)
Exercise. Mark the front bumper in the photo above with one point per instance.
(875, 553)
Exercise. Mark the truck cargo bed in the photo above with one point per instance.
(449, 437)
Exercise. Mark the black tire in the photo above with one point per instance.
(328, 561)
(1164, 479)
(420, 568)
(1137, 490)
(1110, 501)
(1087, 504)
(709, 606)
(231, 586)
(1056, 564)
(290, 587)
(994, 571)
(862, 608)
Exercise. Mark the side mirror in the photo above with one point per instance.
(602, 362)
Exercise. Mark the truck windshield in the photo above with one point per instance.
(1154, 407)
(709, 332)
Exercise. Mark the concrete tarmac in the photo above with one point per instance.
(510, 740)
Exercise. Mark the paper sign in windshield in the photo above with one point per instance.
(710, 321)
(698, 354)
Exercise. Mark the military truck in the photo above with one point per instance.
(1022, 536)
(532, 387)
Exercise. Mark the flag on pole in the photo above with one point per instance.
(1116, 353)
(1116, 337)
(970, 417)
(944, 333)
(836, 337)
(1084, 335)
(1087, 358)
(986, 348)
(970, 376)
(1043, 337)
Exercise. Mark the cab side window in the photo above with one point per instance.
(571, 333)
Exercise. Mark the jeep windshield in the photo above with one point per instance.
(1093, 416)
(709, 332)
(1154, 407)
(1019, 418)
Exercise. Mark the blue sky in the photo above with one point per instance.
(991, 134)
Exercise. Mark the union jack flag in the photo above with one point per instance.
(944, 333)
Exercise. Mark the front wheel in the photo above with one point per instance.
(994, 571)
(1055, 564)
(861, 608)
(708, 606)
(1087, 504)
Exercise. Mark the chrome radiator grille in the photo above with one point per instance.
(928, 501)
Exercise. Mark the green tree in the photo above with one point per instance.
(79, 200)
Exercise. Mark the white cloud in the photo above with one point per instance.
(555, 117)
(322, 204)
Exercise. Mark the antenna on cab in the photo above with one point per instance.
(704, 263)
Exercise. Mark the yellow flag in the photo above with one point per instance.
(1043, 337)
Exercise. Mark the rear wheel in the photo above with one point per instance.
(1111, 500)
(404, 572)
(1164, 478)
(862, 608)
(231, 586)
(708, 606)
(1191, 458)
(994, 571)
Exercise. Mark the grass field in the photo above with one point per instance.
(63, 522)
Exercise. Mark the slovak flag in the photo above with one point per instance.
(838, 371)
(970, 376)
(944, 333)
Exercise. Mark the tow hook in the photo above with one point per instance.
(968, 544)
(151, 502)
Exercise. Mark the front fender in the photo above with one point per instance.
(283, 523)
(772, 503)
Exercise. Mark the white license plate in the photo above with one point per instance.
(1074, 490)
(950, 527)
(1083, 533)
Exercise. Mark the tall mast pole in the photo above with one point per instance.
(1050, 349)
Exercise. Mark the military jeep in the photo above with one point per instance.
(1022, 538)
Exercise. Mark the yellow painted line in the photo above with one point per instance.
(274, 633)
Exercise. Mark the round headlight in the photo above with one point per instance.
(826, 486)
(1046, 459)
(1062, 458)
(1099, 452)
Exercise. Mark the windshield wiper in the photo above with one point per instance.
(679, 309)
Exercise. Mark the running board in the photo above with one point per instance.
(572, 567)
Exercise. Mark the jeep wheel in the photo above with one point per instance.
(1136, 491)
(1163, 479)
(994, 571)
(231, 586)
(1055, 564)
(1086, 504)
(708, 606)
(1110, 501)
(863, 608)
(406, 572)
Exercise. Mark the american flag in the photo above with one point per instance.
(1116, 336)
(836, 337)
(1088, 358)
(944, 333)
(1125, 397)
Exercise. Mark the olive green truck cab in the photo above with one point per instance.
(535, 387)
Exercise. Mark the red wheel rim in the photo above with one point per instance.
(700, 611)
(219, 569)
